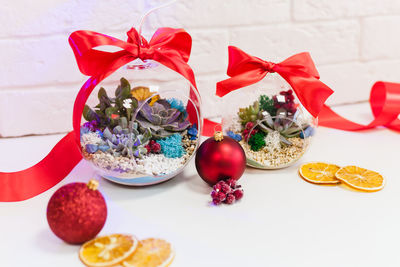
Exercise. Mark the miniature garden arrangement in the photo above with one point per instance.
(137, 133)
(274, 131)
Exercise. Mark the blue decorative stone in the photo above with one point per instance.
(171, 146)
(232, 135)
(100, 133)
(103, 148)
(84, 130)
(90, 148)
(307, 132)
(192, 131)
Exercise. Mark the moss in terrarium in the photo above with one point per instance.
(257, 141)
(171, 146)
(267, 104)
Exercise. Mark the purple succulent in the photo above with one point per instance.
(161, 119)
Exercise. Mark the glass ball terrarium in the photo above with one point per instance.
(142, 127)
(269, 122)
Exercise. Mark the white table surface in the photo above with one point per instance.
(281, 221)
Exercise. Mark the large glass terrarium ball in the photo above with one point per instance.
(142, 124)
(269, 122)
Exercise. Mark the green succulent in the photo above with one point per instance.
(128, 141)
(249, 114)
(267, 104)
(110, 110)
(162, 119)
(282, 124)
(257, 141)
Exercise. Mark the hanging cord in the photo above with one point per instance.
(142, 20)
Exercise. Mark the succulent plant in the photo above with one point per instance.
(178, 104)
(249, 114)
(127, 141)
(161, 119)
(282, 124)
(109, 110)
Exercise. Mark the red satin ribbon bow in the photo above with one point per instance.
(169, 47)
(298, 70)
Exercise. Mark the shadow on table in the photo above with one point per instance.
(125, 192)
(45, 240)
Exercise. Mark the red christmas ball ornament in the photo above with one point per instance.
(219, 158)
(77, 212)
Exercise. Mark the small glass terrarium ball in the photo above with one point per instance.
(269, 122)
(142, 126)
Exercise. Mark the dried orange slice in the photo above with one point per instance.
(360, 178)
(319, 173)
(151, 252)
(107, 250)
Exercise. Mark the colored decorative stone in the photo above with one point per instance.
(309, 131)
(192, 131)
(104, 148)
(90, 148)
(237, 137)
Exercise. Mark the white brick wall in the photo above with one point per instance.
(354, 43)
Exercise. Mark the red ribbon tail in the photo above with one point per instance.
(385, 106)
(330, 119)
(22, 185)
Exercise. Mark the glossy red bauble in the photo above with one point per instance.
(220, 158)
(77, 212)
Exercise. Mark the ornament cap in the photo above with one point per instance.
(218, 136)
(93, 184)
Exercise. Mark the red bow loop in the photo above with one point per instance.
(176, 41)
(144, 50)
(167, 45)
(302, 64)
(298, 70)
(135, 38)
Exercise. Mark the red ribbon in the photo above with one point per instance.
(169, 47)
(385, 105)
(298, 70)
